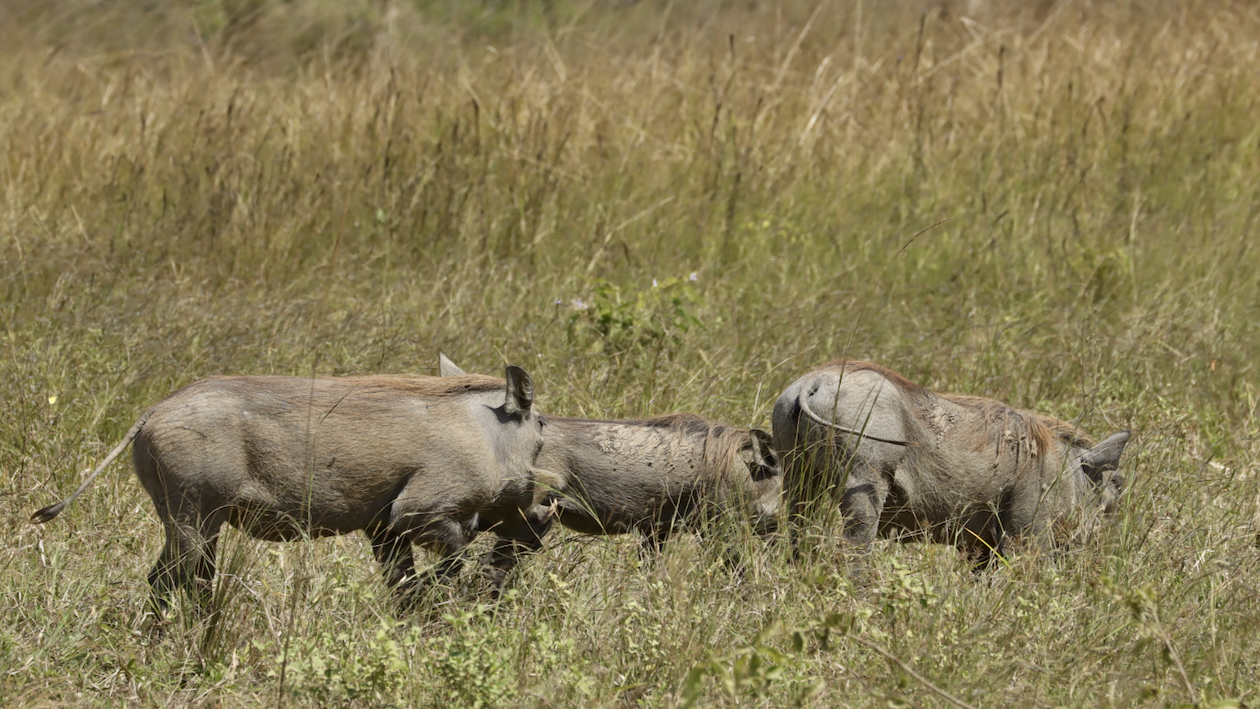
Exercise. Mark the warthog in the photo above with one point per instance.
(652, 475)
(403, 458)
(909, 462)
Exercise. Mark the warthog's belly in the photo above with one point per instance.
(579, 517)
(968, 528)
(273, 525)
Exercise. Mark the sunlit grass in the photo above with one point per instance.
(651, 207)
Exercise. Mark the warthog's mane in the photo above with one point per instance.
(1034, 434)
(412, 384)
(722, 443)
(435, 386)
(846, 366)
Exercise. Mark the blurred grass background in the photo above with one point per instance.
(653, 207)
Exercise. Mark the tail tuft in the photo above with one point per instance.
(46, 514)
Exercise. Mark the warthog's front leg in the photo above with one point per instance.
(393, 551)
(652, 538)
(861, 505)
(445, 536)
(517, 536)
(983, 539)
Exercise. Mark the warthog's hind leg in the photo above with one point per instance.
(187, 562)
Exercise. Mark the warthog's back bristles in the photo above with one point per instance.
(405, 383)
(1035, 433)
(721, 443)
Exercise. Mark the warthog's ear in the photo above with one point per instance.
(764, 462)
(447, 368)
(1104, 456)
(520, 392)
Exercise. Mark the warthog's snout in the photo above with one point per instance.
(765, 519)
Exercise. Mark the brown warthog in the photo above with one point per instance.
(909, 462)
(403, 458)
(652, 475)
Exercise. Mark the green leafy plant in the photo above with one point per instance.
(332, 670)
(615, 321)
(472, 663)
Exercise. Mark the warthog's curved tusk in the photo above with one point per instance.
(844, 429)
(548, 481)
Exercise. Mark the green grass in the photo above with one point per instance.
(320, 188)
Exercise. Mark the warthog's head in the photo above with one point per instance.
(1099, 466)
(764, 485)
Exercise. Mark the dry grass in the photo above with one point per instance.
(240, 186)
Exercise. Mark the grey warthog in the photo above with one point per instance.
(403, 458)
(652, 475)
(956, 469)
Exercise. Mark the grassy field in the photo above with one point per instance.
(652, 207)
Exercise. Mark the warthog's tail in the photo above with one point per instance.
(42, 516)
(804, 402)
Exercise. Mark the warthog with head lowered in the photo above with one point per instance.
(956, 469)
(652, 475)
(403, 458)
